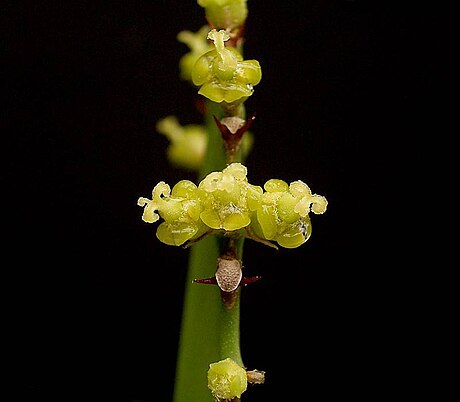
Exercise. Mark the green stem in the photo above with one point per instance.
(229, 331)
(198, 343)
(199, 337)
(215, 158)
(209, 331)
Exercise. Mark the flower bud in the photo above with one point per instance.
(187, 143)
(226, 379)
(225, 14)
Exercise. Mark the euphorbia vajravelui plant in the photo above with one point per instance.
(216, 214)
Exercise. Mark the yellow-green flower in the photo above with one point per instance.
(283, 213)
(187, 143)
(228, 198)
(222, 74)
(180, 209)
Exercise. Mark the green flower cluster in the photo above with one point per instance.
(226, 203)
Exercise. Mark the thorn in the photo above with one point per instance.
(246, 281)
(213, 281)
(206, 281)
(230, 131)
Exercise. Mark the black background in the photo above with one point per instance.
(94, 299)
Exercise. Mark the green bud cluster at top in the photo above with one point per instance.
(225, 14)
(226, 203)
(222, 74)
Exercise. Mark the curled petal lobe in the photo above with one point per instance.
(160, 190)
(150, 208)
(319, 204)
(306, 200)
